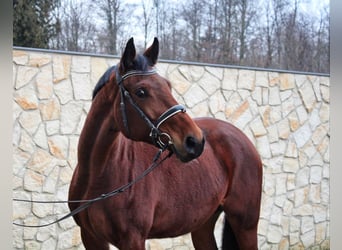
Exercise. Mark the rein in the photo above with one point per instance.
(89, 202)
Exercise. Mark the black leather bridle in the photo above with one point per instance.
(156, 135)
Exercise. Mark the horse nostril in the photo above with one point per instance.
(193, 146)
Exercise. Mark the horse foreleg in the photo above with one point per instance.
(90, 242)
(203, 238)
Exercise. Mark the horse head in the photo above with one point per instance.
(145, 109)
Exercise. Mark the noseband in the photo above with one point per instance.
(158, 137)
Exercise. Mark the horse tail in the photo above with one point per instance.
(228, 238)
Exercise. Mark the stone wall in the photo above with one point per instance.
(286, 115)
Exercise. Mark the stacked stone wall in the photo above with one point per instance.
(286, 116)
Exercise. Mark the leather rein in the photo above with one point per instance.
(155, 134)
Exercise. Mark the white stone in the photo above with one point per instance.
(303, 177)
(319, 213)
(25, 75)
(308, 95)
(315, 194)
(325, 93)
(26, 144)
(288, 106)
(64, 91)
(50, 183)
(302, 135)
(315, 174)
(217, 103)
(209, 83)
(44, 83)
(40, 137)
(49, 244)
(307, 224)
(302, 114)
(274, 96)
(294, 224)
(316, 87)
(33, 181)
(276, 216)
(325, 191)
(274, 234)
(278, 148)
(305, 210)
(230, 77)
(281, 182)
(217, 72)
(80, 64)
(26, 97)
(30, 121)
(30, 244)
(261, 78)
(58, 146)
(284, 129)
(285, 95)
(257, 127)
(265, 96)
(263, 147)
(257, 95)
(308, 239)
(98, 68)
(42, 209)
(199, 110)
(70, 117)
(291, 165)
(52, 127)
(68, 239)
(246, 79)
(196, 72)
(50, 109)
(40, 161)
(82, 86)
(179, 82)
(194, 96)
(291, 150)
(20, 209)
(272, 132)
(20, 57)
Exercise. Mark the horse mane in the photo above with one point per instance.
(139, 63)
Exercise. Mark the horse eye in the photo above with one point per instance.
(141, 93)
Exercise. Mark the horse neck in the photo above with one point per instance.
(99, 130)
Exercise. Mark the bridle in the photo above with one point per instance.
(155, 134)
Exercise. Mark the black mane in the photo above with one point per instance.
(139, 63)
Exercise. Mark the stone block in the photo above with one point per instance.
(246, 79)
(25, 75)
(70, 117)
(179, 83)
(61, 65)
(82, 86)
(229, 81)
(39, 59)
(44, 83)
(26, 97)
(287, 81)
(209, 83)
(50, 109)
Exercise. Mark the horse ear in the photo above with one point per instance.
(152, 52)
(128, 56)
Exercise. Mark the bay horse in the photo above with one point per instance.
(213, 168)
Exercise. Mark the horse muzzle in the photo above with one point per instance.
(191, 149)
